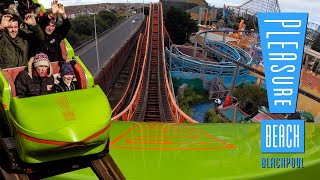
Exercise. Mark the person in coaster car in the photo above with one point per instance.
(18, 45)
(54, 34)
(37, 79)
(66, 82)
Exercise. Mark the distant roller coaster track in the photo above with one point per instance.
(239, 63)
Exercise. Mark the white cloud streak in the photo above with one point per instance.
(310, 6)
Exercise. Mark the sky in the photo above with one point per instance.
(310, 6)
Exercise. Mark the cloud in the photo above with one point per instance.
(47, 3)
(310, 6)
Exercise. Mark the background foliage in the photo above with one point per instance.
(82, 27)
(179, 25)
(250, 96)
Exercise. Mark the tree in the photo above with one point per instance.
(212, 117)
(108, 17)
(179, 25)
(316, 44)
(83, 25)
(102, 24)
(82, 28)
(250, 97)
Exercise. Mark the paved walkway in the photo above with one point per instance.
(308, 78)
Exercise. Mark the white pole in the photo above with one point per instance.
(133, 22)
(95, 35)
(127, 9)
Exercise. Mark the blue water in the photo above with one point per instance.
(200, 110)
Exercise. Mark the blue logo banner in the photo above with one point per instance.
(282, 136)
(282, 40)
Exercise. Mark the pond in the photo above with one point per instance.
(200, 110)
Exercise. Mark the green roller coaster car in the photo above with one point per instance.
(55, 126)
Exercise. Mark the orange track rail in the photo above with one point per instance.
(128, 112)
(178, 115)
(121, 102)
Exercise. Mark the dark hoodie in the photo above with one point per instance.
(51, 45)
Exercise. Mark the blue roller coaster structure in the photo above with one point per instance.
(181, 62)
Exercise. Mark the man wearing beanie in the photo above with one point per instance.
(66, 82)
(37, 79)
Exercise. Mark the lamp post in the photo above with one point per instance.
(142, 9)
(127, 9)
(95, 35)
(133, 22)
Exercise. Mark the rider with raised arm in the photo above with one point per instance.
(16, 45)
(53, 34)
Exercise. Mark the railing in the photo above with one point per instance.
(186, 63)
(243, 53)
(120, 103)
(128, 112)
(107, 75)
(226, 49)
(178, 115)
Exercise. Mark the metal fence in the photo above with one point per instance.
(108, 74)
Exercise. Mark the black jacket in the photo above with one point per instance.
(62, 87)
(51, 44)
(26, 86)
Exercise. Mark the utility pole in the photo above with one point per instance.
(95, 35)
(133, 22)
(142, 9)
(127, 9)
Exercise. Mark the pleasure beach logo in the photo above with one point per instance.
(282, 40)
(282, 136)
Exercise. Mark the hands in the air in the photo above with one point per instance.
(5, 21)
(57, 8)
